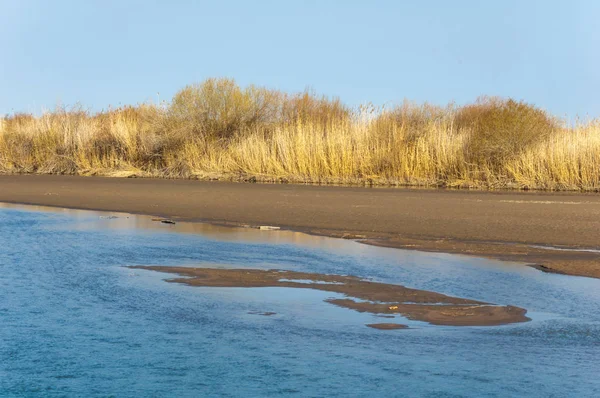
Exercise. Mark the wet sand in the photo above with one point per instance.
(362, 295)
(501, 225)
(387, 326)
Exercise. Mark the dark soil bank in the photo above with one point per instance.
(502, 225)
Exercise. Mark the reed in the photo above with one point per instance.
(219, 130)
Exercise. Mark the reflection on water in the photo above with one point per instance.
(75, 322)
(82, 220)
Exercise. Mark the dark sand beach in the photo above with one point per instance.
(555, 232)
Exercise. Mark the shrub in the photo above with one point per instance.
(306, 108)
(219, 108)
(501, 129)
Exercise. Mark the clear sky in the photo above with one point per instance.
(111, 52)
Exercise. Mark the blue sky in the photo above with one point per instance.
(106, 52)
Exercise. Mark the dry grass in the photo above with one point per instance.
(217, 129)
(569, 159)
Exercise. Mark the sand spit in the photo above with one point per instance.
(513, 226)
(363, 296)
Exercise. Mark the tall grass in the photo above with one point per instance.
(219, 130)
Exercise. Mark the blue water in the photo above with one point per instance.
(75, 322)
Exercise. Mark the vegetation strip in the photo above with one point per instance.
(218, 130)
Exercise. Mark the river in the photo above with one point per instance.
(74, 321)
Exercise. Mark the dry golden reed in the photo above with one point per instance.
(219, 130)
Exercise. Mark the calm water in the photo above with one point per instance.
(75, 322)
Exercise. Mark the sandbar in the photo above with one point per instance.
(361, 295)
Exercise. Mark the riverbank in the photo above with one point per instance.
(524, 227)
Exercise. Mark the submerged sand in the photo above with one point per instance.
(387, 326)
(504, 225)
(361, 295)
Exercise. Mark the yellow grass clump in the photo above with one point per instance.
(218, 130)
(569, 159)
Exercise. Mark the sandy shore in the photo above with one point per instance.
(373, 297)
(504, 225)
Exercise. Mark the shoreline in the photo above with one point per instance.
(531, 228)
